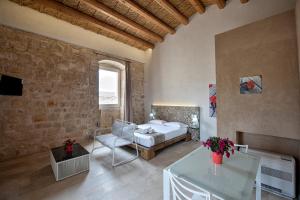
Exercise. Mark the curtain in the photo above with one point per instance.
(128, 106)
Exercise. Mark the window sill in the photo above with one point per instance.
(107, 107)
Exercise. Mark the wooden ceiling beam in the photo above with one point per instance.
(197, 5)
(147, 15)
(99, 7)
(173, 11)
(64, 12)
(244, 1)
(221, 3)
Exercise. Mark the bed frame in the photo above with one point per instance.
(149, 152)
(170, 113)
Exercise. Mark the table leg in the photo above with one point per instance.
(258, 183)
(166, 185)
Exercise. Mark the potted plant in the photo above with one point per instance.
(219, 147)
(69, 146)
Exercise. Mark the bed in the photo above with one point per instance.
(160, 133)
(177, 119)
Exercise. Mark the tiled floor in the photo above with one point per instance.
(31, 177)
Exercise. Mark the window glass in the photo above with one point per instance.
(108, 87)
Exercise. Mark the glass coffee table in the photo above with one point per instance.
(65, 165)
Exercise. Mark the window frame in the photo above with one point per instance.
(112, 69)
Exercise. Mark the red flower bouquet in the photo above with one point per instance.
(219, 147)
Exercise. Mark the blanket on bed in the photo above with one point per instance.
(147, 129)
(153, 134)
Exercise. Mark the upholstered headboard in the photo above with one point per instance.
(176, 113)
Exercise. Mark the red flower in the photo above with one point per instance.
(213, 99)
(221, 145)
(232, 151)
(208, 143)
(250, 85)
(227, 154)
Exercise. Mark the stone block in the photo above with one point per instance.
(39, 118)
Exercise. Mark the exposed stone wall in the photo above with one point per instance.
(60, 92)
(107, 118)
(182, 114)
(137, 92)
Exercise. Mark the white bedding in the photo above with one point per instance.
(170, 132)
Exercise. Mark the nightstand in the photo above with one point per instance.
(195, 132)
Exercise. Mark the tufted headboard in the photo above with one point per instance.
(176, 113)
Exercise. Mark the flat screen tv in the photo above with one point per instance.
(10, 85)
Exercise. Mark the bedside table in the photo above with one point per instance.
(195, 132)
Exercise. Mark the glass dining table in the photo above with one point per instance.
(232, 180)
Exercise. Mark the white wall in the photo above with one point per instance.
(181, 67)
(24, 18)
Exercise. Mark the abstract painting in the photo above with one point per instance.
(212, 100)
(251, 85)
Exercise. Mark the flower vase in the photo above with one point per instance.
(69, 148)
(217, 158)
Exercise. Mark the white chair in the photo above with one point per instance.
(122, 135)
(241, 147)
(184, 190)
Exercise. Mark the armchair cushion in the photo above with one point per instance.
(109, 139)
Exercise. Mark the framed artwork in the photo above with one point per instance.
(251, 85)
(212, 100)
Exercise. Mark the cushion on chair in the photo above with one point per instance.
(108, 140)
(128, 130)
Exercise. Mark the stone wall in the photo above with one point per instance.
(137, 92)
(60, 92)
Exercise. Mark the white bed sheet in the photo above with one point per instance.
(170, 132)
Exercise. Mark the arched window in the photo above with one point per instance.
(109, 74)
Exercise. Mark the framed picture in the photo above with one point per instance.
(212, 100)
(251, 85)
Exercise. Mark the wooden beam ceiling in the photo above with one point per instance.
(124, 20)
(59, 10)
(221, 3)
(173, 11)
(197, 5)
(244, 1)
(147, 15)
(138, 23)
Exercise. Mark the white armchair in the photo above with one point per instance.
(122, 135)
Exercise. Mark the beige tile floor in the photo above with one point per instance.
(31, 177)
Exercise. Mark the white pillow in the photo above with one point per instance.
(157, 121)
(176, 124)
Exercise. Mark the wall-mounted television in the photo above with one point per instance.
(10, 85)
